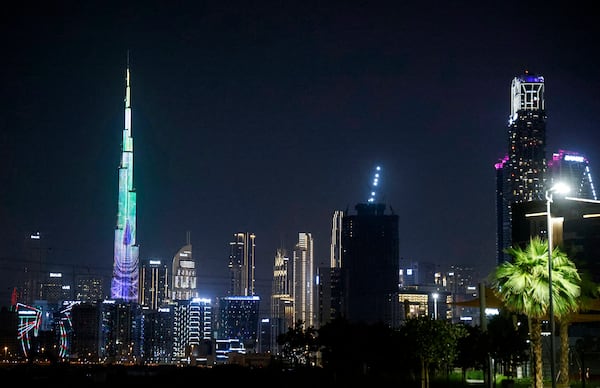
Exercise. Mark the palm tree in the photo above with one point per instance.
(589, 292)
(523, 285)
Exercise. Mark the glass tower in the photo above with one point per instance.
(126, 251)
(241, 264)
(520, 174)
(572, 169)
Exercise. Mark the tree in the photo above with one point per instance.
(589, 292)
(298, 344)
(523, 284)
(508, 335)
(473, 350)
(433, 342)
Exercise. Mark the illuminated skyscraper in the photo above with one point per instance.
(282, 316)
(241, 264)
(336, 239)
(126, 251)
(572, 169)
(303, 280)
(521, 174)
(185, 282)
(154, 283)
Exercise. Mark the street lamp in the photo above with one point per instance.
(561, 189)
(435, 299)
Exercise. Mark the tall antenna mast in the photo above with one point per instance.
(374, 185)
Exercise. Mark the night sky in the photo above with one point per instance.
(266, 116)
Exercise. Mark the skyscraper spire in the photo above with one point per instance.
(126, 251)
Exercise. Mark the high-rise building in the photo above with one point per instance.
(329, 281)
(573, 169)
(336, 239)
(282, 316)
(192, 329)
(238, 320)
(121, 331)
(34, 267)
(126, 250)
(154, 283)
(370, 264)
(303, 280)
(521, 173)
(55, 288)
(89, 287)
(241, 264)
(185, 283)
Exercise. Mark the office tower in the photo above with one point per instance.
(126, 251)
(154, 283)
(89, 288)
(282, 304)
(86, 333)
(521, 173)
(55, 288)
(572, 169)
(185, 284)
(371, 263)
(329, 280)
(238, 320)
(416, 273)
(336, 239)
(121, 331)
(303, 280)
(158, 333)
(192, 329)
(34, 267)
(241, 264)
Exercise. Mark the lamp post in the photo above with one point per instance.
(559, 188)
(435, 299)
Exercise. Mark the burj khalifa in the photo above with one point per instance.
(126, 251)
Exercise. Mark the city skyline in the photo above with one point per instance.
(269, 118)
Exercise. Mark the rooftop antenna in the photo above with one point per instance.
(374, 185)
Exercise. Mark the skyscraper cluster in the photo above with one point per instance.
(526, 172)
(154, 313)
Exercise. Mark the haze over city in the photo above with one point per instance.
(266, 117)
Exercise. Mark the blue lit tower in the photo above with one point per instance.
(520, 174)
(126, 251)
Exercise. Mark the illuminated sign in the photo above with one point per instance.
(574, 158)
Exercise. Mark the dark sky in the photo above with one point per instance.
(266, 116)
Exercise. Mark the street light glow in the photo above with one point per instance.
(560, 188)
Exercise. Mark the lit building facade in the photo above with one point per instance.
(192, 330)
(241, 264)
(281, 300)
(303, 280)
(185, 282)
(126, 251)
(121, 332)
(336, 239)
(573, 169)
(238, 319)
(89, 288)
(520, 175)
(34, 267)
(154, 283)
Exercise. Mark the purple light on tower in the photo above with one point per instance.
(126, 252)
